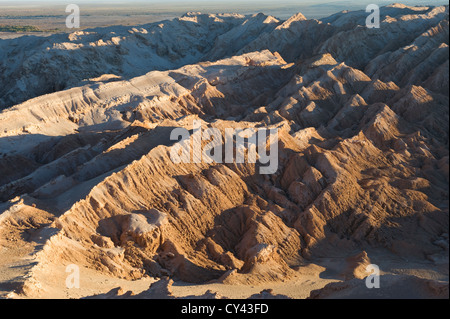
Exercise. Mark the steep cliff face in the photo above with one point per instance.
(87, 175)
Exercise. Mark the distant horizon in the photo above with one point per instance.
(281, 9)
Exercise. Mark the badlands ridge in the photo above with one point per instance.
(86, 176)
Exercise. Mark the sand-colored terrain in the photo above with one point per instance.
(88, 178)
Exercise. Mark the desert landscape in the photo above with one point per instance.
(88, 181)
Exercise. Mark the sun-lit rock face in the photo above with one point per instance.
(86, 174)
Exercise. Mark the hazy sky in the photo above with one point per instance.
(279, 8)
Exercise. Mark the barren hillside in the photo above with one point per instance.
(87, 178)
